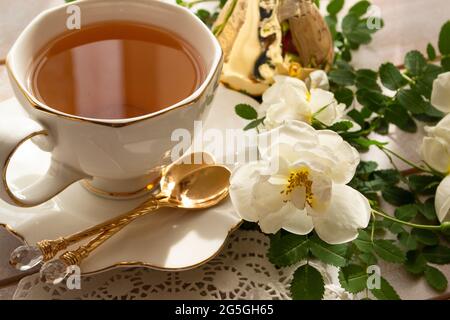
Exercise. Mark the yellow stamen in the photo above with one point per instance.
(295, 69)
(300, 178)
(308, 96)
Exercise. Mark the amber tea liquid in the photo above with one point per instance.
(115, 70)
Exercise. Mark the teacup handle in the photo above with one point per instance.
(13, 132)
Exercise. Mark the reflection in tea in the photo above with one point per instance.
(115, 70)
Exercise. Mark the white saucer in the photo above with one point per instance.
(168, 240)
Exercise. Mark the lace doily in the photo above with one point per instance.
(241, 271)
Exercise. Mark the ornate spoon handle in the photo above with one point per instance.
(77, 256)
(26, 257)
(55, 271)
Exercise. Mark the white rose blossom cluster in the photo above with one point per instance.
(292, 99)
(306, 189)
(435, 147)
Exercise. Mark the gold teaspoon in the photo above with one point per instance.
(26, 257)
(199, 189)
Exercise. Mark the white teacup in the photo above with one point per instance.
(116, 158)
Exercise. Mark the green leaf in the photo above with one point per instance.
(335, 6)
(437, 254)
(355, 30)
(246, 111)
(366, 78)
(332, 22)
(423, 86)
(428, 210)
(368, 258)
(386, 250)
(407, 240)
(385, 292)
(388, 176)
(427, 237)
(307, 284)
(415, 262)
(363, 242)
(431, 52)
(391, 77)
(254, 124)
(406, 212)
(382, 126)
(330, 254)
(366, 168)
(415, 62)
(360, 8)
(411, 100)
(397, 115)
(430, 73)
(341, 126)
(356, 116)
(366, 143)
(342, 77)
(353, 278)
(423, 184)
(204, 15)
(393, 227)
(436, 278)
(288, 249)
(397, 196)
(344, 95)
(444, 39)
(371, 99)
(359, 36)
(445, 63)
(431, 114)
(346, 55)
(349, 23)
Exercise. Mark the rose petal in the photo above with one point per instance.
(242, 181)
(331, 114)
(442, 200)
(280, 112)
(347, 157)
(291, 133)
(272, 223)
(320, 99)
(267, 198)
(318, 79)
(435, 153)
(297, 221)
(440, 96)
(349, 210)
(298, 198)
(288, 88)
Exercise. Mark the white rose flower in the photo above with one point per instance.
(318, 79)
(442, 200)
(435, 147)
(289, 99)
(307, 190)
(435, 151)
(440, 96)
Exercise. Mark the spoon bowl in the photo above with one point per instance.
(201, 188)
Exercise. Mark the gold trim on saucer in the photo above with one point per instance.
(16, 200)
(110, 194)
(140, 263)
(40, 106)
(13, 232)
